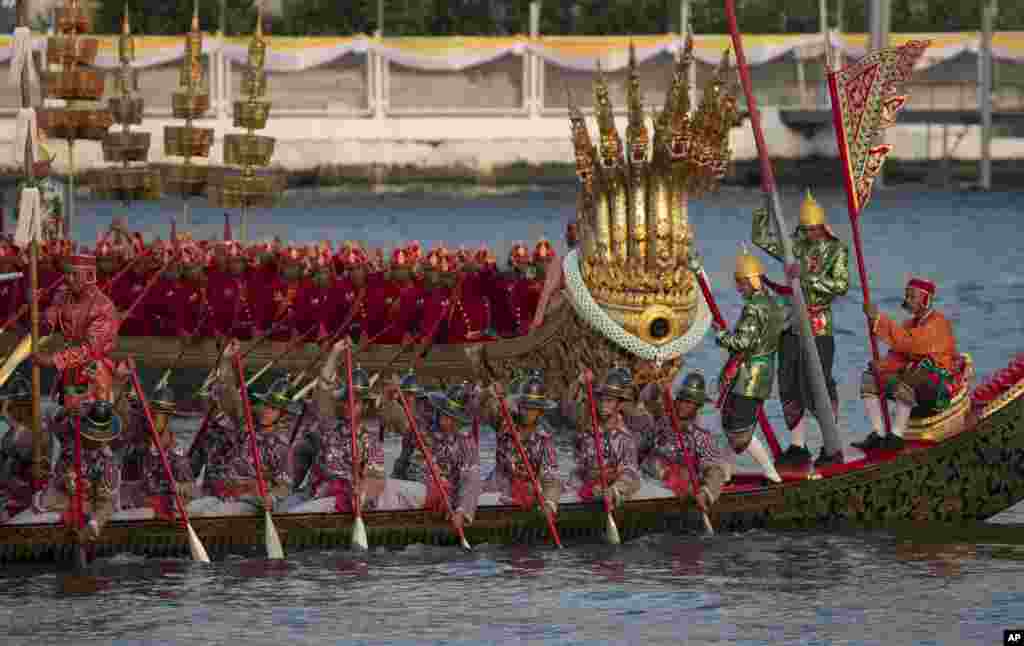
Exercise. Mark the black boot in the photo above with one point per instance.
(872, 441)
(828, 460)
(893, 443)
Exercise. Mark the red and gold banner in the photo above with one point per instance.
(865, 102)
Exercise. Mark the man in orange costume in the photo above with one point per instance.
(918, 372)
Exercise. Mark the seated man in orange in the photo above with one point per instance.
(919, 370)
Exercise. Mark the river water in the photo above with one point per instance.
(750, 588)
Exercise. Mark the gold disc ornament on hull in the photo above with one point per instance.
(631, 278)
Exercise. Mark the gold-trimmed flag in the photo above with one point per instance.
(864, 102)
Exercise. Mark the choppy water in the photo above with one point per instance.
(752, 588)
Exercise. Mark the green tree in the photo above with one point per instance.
(168, 17)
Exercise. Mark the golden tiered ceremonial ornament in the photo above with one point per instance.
(126, 147)
(242, 186)
(630, 280)
(72, 108)
(190, 102)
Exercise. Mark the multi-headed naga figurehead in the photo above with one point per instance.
(611, 143)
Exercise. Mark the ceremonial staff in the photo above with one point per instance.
(429, 458)
(274, 549)
(195, 545)
(822, 404)
(875, 109)
(30, 221)
(611, 530)
(513, 431)
(691, 467)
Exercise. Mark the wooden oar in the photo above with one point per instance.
(514, 432)
(274, 549)
(358, 527)
(611, 530)
(435, 474)
(254, 344)
(194, 544)
(691, 467)
(181, 353)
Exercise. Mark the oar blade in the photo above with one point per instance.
(195, 546)
(612, 531)
(708, 527)
(359, 541)
(274, 549)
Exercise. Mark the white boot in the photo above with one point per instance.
(873, 406)
(761, 456)
(900, 417)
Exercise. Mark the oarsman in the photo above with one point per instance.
(660, 455)
(455, 453)
(163, 307)
(508, 308)
(357, 297)
(510, 482)
(455, 310)
(13, 292)
(327, 457)
(229, 482)
(409, 465)
(399, 320)
(313, 306)
(157, 493)
(823, 266)
(194, 312)
(231, 296)
(919, 371)
(286, 286)
(16, 477)
(274, 414)
(748, 376)
(129, 287)
(621, 477)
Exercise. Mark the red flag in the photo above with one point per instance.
(865, 102)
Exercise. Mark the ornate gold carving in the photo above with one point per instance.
(633, 221)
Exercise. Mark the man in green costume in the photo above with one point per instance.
(747, 378)
(823, 264)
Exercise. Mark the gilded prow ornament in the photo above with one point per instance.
(635, 261)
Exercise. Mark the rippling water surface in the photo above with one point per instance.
(751, 588)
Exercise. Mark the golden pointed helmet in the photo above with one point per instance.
(748, 266)
(811, 213)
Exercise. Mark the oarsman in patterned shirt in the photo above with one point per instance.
(510, 479)
(619, 450)
(157, 492)
(409, 465)
(229, 484)
(660, 456)
(327, 452)
(274, 414)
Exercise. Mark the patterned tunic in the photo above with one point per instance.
(99, 467)
(274, 451)
(510, 477)
(331, 439)
(90, 326)
(157, 491)
(619, 452)
(409, 465)
(229, 469)
(659, 449)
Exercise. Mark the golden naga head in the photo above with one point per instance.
(582, 146)
(811, 213)
(636, 132)
(611, 144)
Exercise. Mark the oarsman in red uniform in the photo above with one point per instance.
(286, 286)
(194, 315)
(231, 298)
(465, 312)
(439, 281)
(50, 271)
(358, 297)
(129, 287)
(160, 307)
(313, 304)
(487, 278)
(398, 321)
(513, 315)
